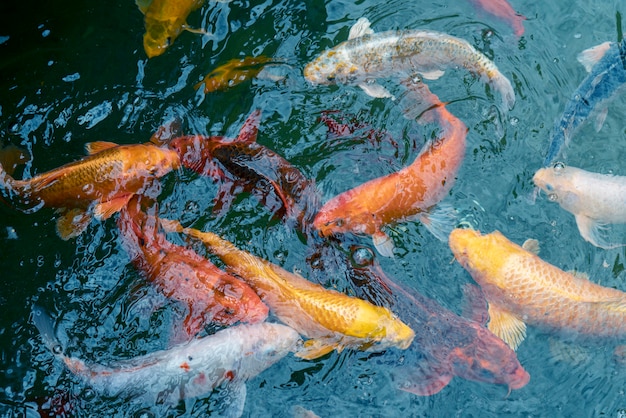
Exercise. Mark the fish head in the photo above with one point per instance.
(486, 358)
(194, 151)
(345, 213)
(396, 332)
(331, 67)
(156, 160)
(559, 184)
(160, 34)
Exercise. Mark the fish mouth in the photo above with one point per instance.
(520, 379)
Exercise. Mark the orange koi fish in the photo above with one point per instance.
(211, 295)
(332, 320)
(234, 72)
(106, 179)
(402, 195)
(165, 20)
(521, 288)
(503, 10)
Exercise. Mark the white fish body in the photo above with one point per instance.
(230, 356)
(594, 199)
(367, 56)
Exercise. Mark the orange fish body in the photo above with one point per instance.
(521, 288)
(331, 319)
(234, 72)
(400, 195)
(503, 10)
(108, 177)
(164, 20)
(210, 294)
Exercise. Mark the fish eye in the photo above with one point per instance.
(552, 197)
(558, 166)
(362, 256)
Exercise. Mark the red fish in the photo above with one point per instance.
(445, 343)
(411, 192)
(503, 10)
(245, 161)
(211, 295)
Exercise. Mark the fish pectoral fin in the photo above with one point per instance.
(315, 348)
(383, 243)
(589, 57)
(422, 383)
(432, 75)
(198, 31)
(360, 28)
(250, 128)
(440, 220)
(376, 90)
(98, 146)
(72, 223)
(143, 5)
(600, 118)
(531, 245)
(232, 399)
(595, 232)
(106, 209)
(506, 325)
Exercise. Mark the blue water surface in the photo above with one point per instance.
(74, 72)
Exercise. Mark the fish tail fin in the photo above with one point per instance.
(45, 325)
(503, 85)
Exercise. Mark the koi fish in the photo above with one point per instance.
(607, 73)
(367, 56)
(594, 199)
(521, 288)
(447, 344)
(234, 72)
(411, 192)
(106, 179)
(247, 161)
(165, 20)
(210, 294)
(503, 10)
(227, 358)
(331, 319)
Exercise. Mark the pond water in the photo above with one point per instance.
(75, 72)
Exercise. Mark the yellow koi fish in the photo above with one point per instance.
(522, 288)
(331, 319)
(165, 20)
(234, 72)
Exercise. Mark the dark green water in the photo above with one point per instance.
(76, 72)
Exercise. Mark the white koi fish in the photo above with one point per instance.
(367, 56)
(594, 199)
(230, 356)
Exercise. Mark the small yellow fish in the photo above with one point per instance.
(165, 20)
(522, 288)
(234, 72)
(331, 319)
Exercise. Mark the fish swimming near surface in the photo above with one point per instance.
(235, 72)
(165, 20)
(606, 75)
(98, 185)
(594, 199)
(330, 319)
(503, 10)
(247, 162)
(367, 56)
(225, 359)
(210, 295)
(521, 289)
(403, 195)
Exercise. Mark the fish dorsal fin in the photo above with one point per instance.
(579, 274)
(360, 28)
(143, 5)
(106, 209)
(72, 223)
(506, 325)
(531, 245)
(98, 146)
(589, 57)
(250, 128)
(432, 75)
(315, 348)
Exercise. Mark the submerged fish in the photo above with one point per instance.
(258, 167)
(594, 199)
(411, 192)
(367, 56)
(503, 10)
(606, 66)
(521, 288)
(165, 20)
(227, 358)
(106, 179)
(235, 72)
(210, 294)
(446, 344)
(332, 320)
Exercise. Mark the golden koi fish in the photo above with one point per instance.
(165, 20)
(107, 178)
(521, 288)
(234, 72)
(331, 319)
